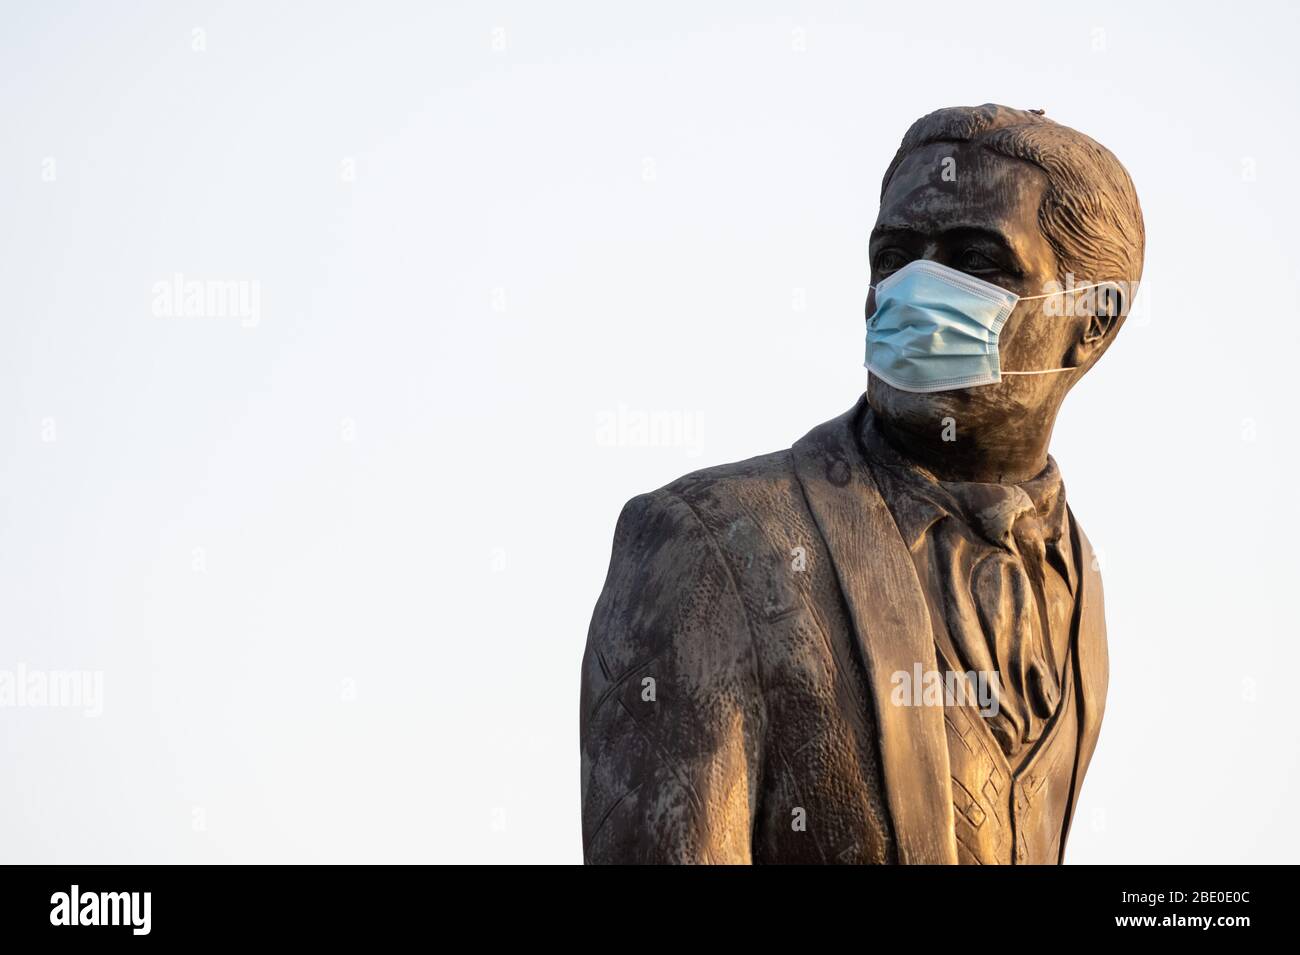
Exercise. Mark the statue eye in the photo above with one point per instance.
(890, 260)
(973, 261)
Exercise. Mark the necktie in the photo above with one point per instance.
(1006, 587)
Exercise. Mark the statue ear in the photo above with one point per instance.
(1100, 320)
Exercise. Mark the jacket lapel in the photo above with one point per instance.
(1092, 663)
(892, 626)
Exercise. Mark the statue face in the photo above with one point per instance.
(979, 217)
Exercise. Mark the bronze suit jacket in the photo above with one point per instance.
(736, 682)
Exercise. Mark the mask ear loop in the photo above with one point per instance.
(1072, 288)
(1031, 298)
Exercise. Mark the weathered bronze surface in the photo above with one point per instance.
(758, 674)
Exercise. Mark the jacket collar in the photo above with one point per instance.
(892, 627)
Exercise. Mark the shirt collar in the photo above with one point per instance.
(990, 509)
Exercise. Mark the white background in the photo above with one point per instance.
(337, 568)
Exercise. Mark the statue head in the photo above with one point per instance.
(1022, 202)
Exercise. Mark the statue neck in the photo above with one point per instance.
(987, 455)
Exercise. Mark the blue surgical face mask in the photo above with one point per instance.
(936, 329)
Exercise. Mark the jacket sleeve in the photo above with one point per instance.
(672, 711)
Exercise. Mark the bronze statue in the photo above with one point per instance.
(886, 644)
